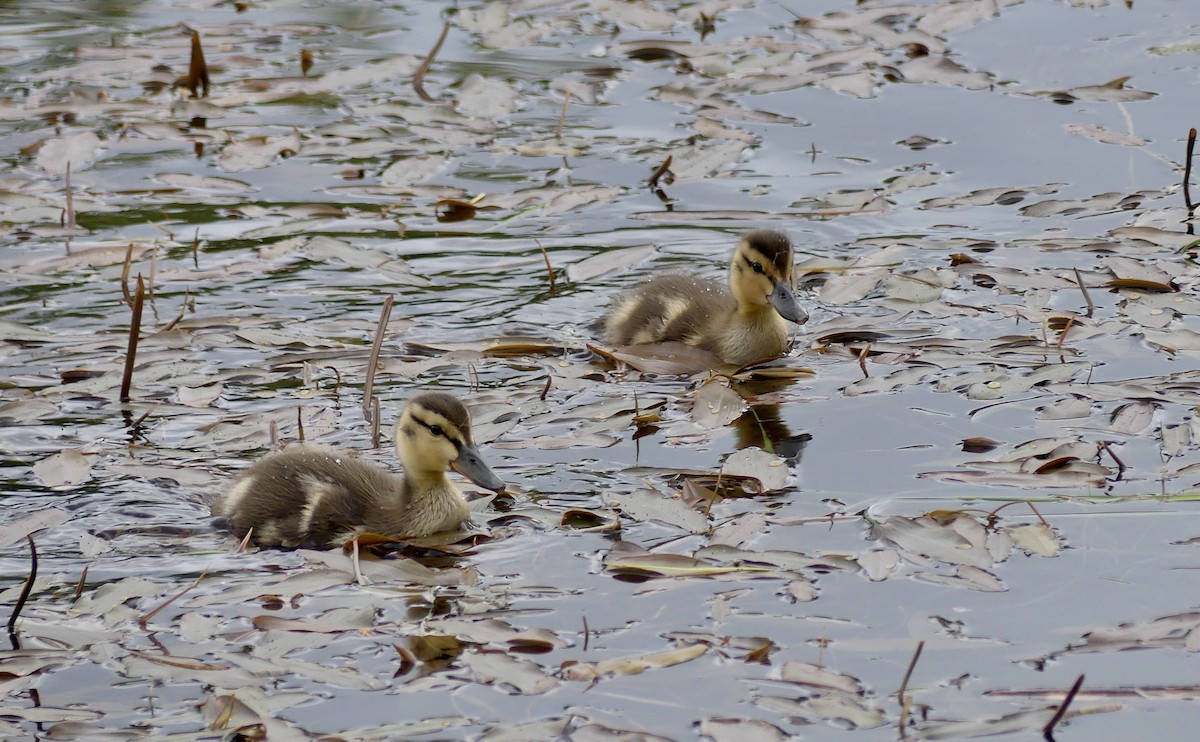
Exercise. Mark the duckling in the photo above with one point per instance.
(315, 495)
(740, 324)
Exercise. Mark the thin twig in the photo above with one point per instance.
(300, 422)
(549, 270)
(384, 315)
(125, 274)
(196, 249)
(135, 326)
(546, 390)
(82, 581)
(182, 311)
(1091, 307)
(25, 590)
(1048, 730)
(587, 633)
(145, 617)
(419, 75)
(562, 117)
(337, 379)
(912, 664)
(862, 359)
(71, 199)
(1063, 332)
(1187, 171)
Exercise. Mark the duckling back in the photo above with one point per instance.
(315, 496)
(674, 308)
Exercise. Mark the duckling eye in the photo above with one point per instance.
(436, 430)
(757, 266)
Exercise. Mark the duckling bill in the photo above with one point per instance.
(315, 495)
(742, 323)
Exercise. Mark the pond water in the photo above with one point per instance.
(982, 456)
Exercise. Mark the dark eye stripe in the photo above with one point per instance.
(438, 430)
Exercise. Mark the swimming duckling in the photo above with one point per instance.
(316, 495)
(740, 326)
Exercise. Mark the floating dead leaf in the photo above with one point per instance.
(502, 669)
(279, 623)
(625, 559)
(643, 505)
(734, 730)
(69, 466)
(770, 470)
(581, 519)
(76, 151)
(1038, 538)
(802, 673)
(257, 152)
(1104, 136)
(589, 671)
(607, 262)
(667, 359)
(715, 404)
(20, 527)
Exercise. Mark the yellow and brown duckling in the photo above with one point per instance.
(315, 495)
(739, 324)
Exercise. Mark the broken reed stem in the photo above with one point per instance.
(135, 327)
(273, 433)
(1079, 281)
(384, 315)
(419, 75)
(82, 581)
(587, 633)
(862, 360)
(662, 169)
(1062, 336)
(145, 617)
(1048, 730)
(562, 117)
(71, 198)
(375, 422)
(337, 379)
(1187, 171)
(549, 270)
(300, 422)
(125, 274)
(912, 664)
(196, 249)
(25, 590)
(197, 77)
(1109, 451)
(546, 390)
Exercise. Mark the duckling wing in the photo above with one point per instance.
(306, 497)
(680, 308)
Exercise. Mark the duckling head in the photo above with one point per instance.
(433, 436)
(761, 275)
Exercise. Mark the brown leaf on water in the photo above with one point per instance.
(1142, 285)
(978, 445)
(454, 210)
